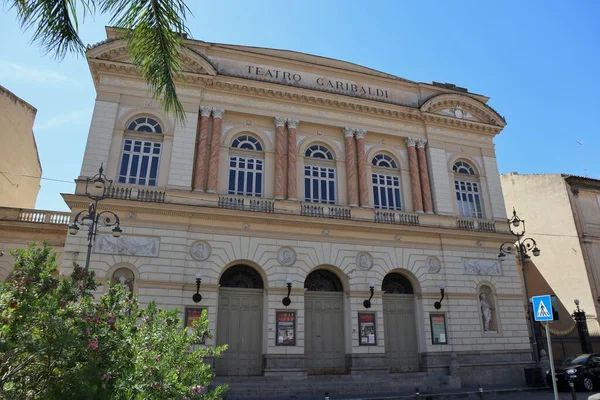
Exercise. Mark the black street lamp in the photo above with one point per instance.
(91, 218)
(520, 249)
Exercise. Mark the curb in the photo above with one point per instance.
(447, 395)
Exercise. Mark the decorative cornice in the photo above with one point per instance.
(217, 113)
(292, 123)
(411, 141)
(421, 143)
(205, 111)
(360, 133)
(348, 132)
(280, 122)
(451, 100)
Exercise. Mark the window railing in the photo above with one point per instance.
(123, 193)
(241, 203)
(325, 211)
(396, 217)
(473, 224)
(46, 217)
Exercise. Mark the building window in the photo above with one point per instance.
(140, 157)
(468, 194)
(386, 183)
(246, 166)
(319, 175)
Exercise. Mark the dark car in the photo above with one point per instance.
(583, 370)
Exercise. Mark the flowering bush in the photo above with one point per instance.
(57, 342)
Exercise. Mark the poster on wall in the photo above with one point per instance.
(366, 329)
(192, 314)
(438, 329)
(286, 328)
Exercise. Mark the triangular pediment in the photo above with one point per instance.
(463, 108)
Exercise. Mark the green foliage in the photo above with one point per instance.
(154, 29)
(57, 342)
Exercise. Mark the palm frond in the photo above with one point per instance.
(54, 22)
(155, 30)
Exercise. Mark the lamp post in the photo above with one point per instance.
(91, 218)
(521, 249)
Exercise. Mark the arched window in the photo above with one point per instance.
(468, 194)
(140, 157)
(319, 175)
(246, 166)
(386, 183)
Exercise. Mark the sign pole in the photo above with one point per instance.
(551, 360)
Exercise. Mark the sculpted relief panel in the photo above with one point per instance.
(481, 267)
(127, 245)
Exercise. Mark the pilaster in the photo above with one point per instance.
(215, 146)
(279, 158)
(362, 167)
(201, 150)
(415, 183)
(292, 169)
(424, 173)
(350, 152)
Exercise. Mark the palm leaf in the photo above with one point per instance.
(155, 30)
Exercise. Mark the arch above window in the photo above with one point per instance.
(145, 124)
(241, 276)
(247, 142)
(319, 152)
(385, 161)
(462, 167)
(395, 283)
(322, 280)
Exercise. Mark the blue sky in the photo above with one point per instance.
(538, 61)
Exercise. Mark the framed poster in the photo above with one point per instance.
(285, 330)
(366, 329)
(192, 314)
(438, 329)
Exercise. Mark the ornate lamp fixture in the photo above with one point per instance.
(197, 297)
(367, 303)
(438, 304)
(286, 300)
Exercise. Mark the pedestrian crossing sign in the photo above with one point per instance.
(542, 308)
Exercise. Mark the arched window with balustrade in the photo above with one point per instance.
(385, 179)
(319, 175)
(468, 190)
(141, 152)
(246, 166)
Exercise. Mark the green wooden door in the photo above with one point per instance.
(239, 325)
(324, 333)
(400, 332)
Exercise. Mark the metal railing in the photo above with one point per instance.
(395, 217)
(473, 224)
(325, 211)
(46, 217)
(241, 203)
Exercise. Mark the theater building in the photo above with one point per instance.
(325, 174)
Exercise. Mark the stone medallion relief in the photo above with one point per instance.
(433, 265)
(364, 261)
(286, 256)
(200, 250)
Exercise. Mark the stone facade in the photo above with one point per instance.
(312, 136)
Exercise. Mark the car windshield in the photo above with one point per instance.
(581, 359)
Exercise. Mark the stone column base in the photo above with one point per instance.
(367, 363)
(288, 365)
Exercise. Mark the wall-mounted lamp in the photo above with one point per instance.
(197, 297)
(286, 300)
(367, 303)
(438, 304)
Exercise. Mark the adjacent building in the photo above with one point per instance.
(347, 183)
(562, 214)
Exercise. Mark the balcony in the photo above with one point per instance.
(325, 211)
(35, 216)
(124, 193)
(246, 203)
(474, 224)
(397, 217)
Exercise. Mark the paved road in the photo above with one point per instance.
(541, 395)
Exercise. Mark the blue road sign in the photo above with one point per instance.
(542, 308)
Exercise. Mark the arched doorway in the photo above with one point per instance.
(324, 323)
(399, 323)
(239, 321)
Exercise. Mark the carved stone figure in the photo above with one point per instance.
(286, 256)
(200, 250)
(434, 265)
(127, 245)
(486, 311)
(481, 267)
(364, 261)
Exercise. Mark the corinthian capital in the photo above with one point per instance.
(360, 133)
(205, 111)
(411, 142)
(421, 143)
(217, 112)
(349, 132)
(292, 123)
(279, 122)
